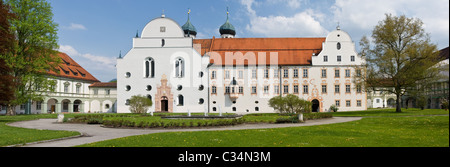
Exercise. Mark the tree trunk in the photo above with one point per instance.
(11, 110)
(398, 108)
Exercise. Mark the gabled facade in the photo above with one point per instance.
(237, 75)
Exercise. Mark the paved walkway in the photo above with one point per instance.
(95, 133)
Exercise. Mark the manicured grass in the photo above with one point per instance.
(13, 135)
(391, 112)
(421, 131)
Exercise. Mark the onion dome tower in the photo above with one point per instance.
(227, 29)
(188, 28)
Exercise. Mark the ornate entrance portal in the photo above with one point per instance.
(163, 97)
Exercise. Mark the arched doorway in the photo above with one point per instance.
(315, 105)
(164, 104)
(77, 106)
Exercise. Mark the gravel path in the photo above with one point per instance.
(95, 133)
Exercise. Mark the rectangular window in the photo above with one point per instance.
(266, 89)
(213, 74)
(266, 73)
(276, 89)
(227, 74)
(253, 89)
(336, 89)
(358, 72)
(338, 103)
(324, 73)
(295, 73)
(95, 91)
(336, 74)
(108, 91)
(296, 89)
(38, 105)
(286, 73)
(241, 74)
(78, 89)
(22, 107)
(352, 58)
(358, 103)
(241, 90)
(325, 58)
(324, 88)
(305, 89)
(347, 89)
(347, 103)
(347, 73)
(358, 89)
(305, 73)
(227, 90)
(66, 88)
(214, 90)
(254, 73)
(285, 89)
(275, 73)
(338, 58)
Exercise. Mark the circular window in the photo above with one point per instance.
(149, 87)
(179, 87)
(214, 102)
(128, 88)
(256, 102)
(128, 75)
(201, 87)
(201, 101)
(200, 74)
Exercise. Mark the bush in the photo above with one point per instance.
(94, 121)
(291, 119)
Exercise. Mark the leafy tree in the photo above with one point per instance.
(399, 57)
(34, 50)
(140, 104)
(6, 44)
(290, 104)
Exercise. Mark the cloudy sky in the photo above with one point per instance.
(94, 32)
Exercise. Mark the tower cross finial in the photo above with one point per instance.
(338, 27)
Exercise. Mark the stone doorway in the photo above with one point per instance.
(164, 104)
(315, 105)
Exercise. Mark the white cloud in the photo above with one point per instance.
(363, 15)
(306, 23)
(74, 26)
(100, 66)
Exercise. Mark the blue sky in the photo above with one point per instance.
(93, 32)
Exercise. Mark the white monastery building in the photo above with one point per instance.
(237, 75)
(76, 91)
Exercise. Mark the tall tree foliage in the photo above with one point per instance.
(6, 44)
(34, 50)
(399, 57)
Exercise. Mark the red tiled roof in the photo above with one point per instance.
(104, 84)
(291, 51)
(71, 69)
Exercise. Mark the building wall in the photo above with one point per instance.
(150, 45)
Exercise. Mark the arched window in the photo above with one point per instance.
(149, 68)
(338, 46)
(180, 100)
(179, 68)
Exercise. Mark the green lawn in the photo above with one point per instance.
(380, 128)
(385, 131)
(12, 135)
